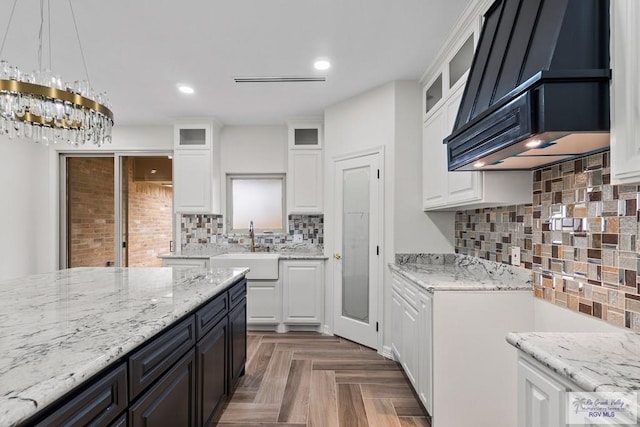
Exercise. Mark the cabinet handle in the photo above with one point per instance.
(337, 256)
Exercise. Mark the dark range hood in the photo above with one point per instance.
(538, 88)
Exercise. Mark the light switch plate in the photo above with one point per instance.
(297, 238)
(515, 255)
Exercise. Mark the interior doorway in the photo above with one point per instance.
(358, 219)
(116, 210)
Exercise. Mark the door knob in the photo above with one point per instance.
(337, 256)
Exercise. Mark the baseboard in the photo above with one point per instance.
(387, 352)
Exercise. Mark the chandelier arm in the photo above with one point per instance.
(75, 24)
(6, 33)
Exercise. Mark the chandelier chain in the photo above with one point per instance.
(40, 35)
(49, 24)
(6, 33)
(75, 24)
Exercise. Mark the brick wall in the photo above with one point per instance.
(90, 211)
(150, 222)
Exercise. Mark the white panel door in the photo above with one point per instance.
(357, 234)
(262, 303)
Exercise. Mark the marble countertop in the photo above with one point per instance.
(59, 329)
(600, 362)
(282, 255)
(463, 273)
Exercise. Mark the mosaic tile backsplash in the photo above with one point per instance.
(208, 229)
(579, 237)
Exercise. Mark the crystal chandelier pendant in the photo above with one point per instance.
(40, 107)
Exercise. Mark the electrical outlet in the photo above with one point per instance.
(515, 255)
(213, 238)
(297, 238)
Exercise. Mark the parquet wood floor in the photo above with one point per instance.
(304, 379)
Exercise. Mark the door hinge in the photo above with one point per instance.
(378, 173)
(377, 250)
(376, 326)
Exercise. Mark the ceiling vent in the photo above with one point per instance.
(300, 79)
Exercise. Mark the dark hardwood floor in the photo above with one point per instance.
(307, 379)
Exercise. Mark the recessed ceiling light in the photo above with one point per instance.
(185, 89)
(322, 64)
(478, 164)
(154, 171)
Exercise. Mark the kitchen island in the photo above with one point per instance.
(61, 332)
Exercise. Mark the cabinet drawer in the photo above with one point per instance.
(209, 315)
(97, 405)
(149, 363)
(171, 401)
(237, 293)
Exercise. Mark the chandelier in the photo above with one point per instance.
(40, 107)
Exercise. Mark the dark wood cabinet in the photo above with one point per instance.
(98, 405)
(213, 368)
(237, 342)
(180, 377)
(171, 401)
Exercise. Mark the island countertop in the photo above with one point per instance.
(593, 361)
(59, 329)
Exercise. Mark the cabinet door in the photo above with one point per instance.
(425, 353)
(625, 92)
(263, 303)
(540, 399)
(302, 285)
(396, 325)
(212, 366)
(462, 186)
(237, 342)
(171, 401)
(192, 181)
(410, 337)
(305, 181)
(434, 161)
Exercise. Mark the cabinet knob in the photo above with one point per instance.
(337, 256)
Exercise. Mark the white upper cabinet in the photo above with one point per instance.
(443, 88)
(625, 92)
(305, 166)
(196, 167)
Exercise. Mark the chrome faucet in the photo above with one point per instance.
(252, 235)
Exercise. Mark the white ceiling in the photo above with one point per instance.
(138, 50)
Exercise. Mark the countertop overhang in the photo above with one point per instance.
(59, 329)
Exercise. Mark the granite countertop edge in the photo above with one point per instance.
(282, 256)
(574, 370)
(440, 281)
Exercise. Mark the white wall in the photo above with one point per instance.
(253, 149)
(414, 230)
(25, 222)
(388, 117)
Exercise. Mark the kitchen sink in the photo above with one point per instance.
(262, 266)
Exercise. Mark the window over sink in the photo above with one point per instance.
(258, 198)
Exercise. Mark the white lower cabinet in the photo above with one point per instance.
(263, 302)
(452, 347)
(293, 302)
(540, 398)
(302, 291)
